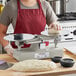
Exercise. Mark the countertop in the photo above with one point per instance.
(58, 71)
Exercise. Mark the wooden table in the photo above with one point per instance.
(58, 71)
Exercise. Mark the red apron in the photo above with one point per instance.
(31, 21)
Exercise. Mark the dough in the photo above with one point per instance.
(33, 66)
(51, 31)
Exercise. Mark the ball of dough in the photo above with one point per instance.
(52, 31)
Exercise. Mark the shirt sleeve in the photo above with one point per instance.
(50, 15)
(5, 16)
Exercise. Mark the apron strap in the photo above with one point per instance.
(40, 6)
(18, 4)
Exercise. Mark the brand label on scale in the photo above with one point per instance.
(41, 55)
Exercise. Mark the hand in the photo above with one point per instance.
(54, 28)
(9, 49)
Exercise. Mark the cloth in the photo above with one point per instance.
(31, 21)
(9, 14)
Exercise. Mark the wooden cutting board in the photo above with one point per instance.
(58, 71)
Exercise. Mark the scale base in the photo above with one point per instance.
(38, 53)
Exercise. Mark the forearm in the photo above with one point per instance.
(3, 30)
(2, 41)
(8, 48)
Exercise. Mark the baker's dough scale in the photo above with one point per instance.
(38, 49)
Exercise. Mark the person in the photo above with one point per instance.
(26, 16)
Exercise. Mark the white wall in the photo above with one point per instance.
(71, 6)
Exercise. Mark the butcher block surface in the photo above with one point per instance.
(58, 71)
